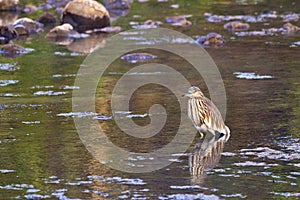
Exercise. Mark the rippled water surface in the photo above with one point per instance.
(42, 156)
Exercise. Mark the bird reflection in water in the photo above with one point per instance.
(205, 156)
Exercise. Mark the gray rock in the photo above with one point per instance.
(64, 30)
(236, 26)
(7, 33)
(211, 39)
(47, 18)
(30, 8)
(85, 14)
(11, 50)
(117, 8)
(58, 3)
(26, 26)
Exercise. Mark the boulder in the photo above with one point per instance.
(9, 5)
(85, 14)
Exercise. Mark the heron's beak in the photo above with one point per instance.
(187, 94)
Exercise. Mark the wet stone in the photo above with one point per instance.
(211, 39)
(236, 26)
(273, 31)
(64, 30)
(145, 25)
(290, 17)
(265, 16)
(220, 18)
(180, 20)
(290, 28)
(251, 33)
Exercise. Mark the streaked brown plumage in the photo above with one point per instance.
(204, 114)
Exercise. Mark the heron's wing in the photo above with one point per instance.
(213, 120)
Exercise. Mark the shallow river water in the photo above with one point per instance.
(43, 157)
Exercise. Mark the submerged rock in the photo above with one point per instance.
(58, 3)
(30, 9)
(11, 50)
(138, 57)
(178, 21)
(253, 33)
(145, 25)
(273, 31)
(26, 26)
(7, 33)
(45, 6)
(117, 8)
(85, 14)
(236, 26)
(220, 18)
(290, 17)
(211, 39)
(290, 28)
(9, 5)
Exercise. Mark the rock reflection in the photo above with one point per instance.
(205, 155)
(82, 44)
(89, 44)
(8, 18)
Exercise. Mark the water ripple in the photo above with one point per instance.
(8, 82)
(48, 93)
(251, 75)
(10, 67)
